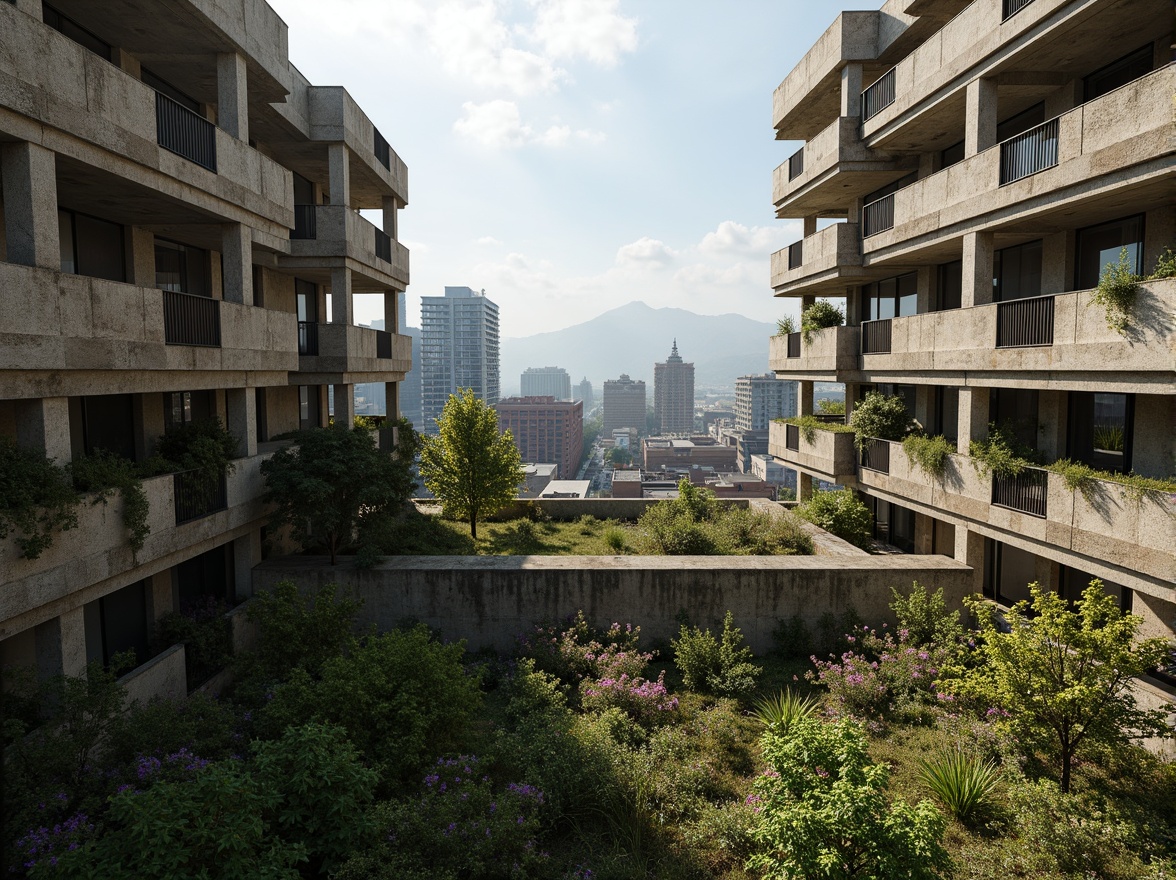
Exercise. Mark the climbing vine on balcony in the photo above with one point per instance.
(1080, 477)
(104, 473)
(809, 425)
(1000, 453)
(1117, 288)
(37, 498)
(929, 454)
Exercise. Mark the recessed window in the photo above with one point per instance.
(949, 287)
(1100, 429)
(946, 418)
(892, 298)
(108, 422)
(951, 155)
(185, 407)
(70, 28)
(164, 87)
(1073, 583)
(1017, 272)
(181, 268)
(1118, 73)
(117, 623)
(1023, 121)
(1099, 246)
(91, 246)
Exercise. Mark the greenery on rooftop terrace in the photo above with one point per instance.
(809, 425)
(908, 751)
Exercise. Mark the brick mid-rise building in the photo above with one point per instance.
(545, 430)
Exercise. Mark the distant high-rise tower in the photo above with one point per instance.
(546, 382)
(760, 399)
(624, 404)
(673, 394)
(459, 349)
(584, 394)
(545, 430)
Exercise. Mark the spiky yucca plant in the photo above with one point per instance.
(782, 709)
(963, 782)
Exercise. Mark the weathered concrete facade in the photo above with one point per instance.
(980, 164)
(177, 207)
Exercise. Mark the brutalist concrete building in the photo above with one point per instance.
(179, 207)
(968, 170)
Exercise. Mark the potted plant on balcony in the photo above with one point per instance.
(203, 451)
(818, 316)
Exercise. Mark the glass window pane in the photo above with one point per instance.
(908, 298)
(100, 248)
(69, 261)
(951, 285)
(1019, 272)
(1118, 73)
(1101, 245)
(169, 266)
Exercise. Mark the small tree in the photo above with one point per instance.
(880, 417)
(330, 480)
(1063, 677)
(840, 513)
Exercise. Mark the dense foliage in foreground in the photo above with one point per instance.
(399, 756)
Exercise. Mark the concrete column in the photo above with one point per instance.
(977, 269)
(241, 407)
(851, 90)
(1051, 415)
(969, 549)
(810, 225)
(925, 289)
(392, 315)
(246, 554)
(804, 398)
(853, 307)
(1054, 261)
(973, 424)
(392, 399)
(804, 486)
(149, 422)
(344, 404)
(141, 256)
(852, 392)
(924, 534)
(160, 596)
(924, 401)
(127, 62)
(340, 174)
(232, 95)
(237, 263)
(341, 296)
(980, 116)
(29, 174)
(391, 218)
(42, 424)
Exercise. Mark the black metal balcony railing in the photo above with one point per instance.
(308, 338)
(795, 255)
(305, 222)
(796, 164)
(794, 345)
(1012, 7)
(381, 149)
(1025, 492)
(1029, 152)
(876, 456)
(191, 320)
(830, 418)
(185, 133)
(876, 336)
(383, 246)
(792, 437)
(878, 216)
(384, 344)
(197, 495)
(1025, 322)
(879, 96)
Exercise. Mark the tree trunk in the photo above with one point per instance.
(474, 526)
(1067, 759)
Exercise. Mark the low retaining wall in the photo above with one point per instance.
(489, 600)
(162, 677)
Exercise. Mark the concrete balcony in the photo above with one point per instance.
(60, 330)
(102, 121)
(95, 559)
(830, 172)
(1114, 148)
(819, 263)
(332, 236)
(832, 353)
(830, 456)
(348, 355)
(1110, 534)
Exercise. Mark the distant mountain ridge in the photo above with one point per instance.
(631, 338)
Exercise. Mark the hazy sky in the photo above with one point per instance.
(569, 156)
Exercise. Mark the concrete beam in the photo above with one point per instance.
(392, 399)
(232, 95)
(29, 174)
(339, 169)
(851, 90)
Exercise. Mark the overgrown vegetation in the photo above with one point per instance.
(1000, 453)
(1083, 478)
(205, 633)
(809, 425)
(104, 473)
(818, 316)
(880, 417)
(840, 513)
(929, 454)
(37, 498)
(1118, 285)
(786, 326)
(721, 666)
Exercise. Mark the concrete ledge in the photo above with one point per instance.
(161, 677)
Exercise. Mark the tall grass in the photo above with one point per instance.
(963, 782)
(784, 708)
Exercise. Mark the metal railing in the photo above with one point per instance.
(1012, 7)
(383, 246)
(792, 437)
(381, 149)
(830, 418)
(305, 222)
(796, 164)
(876, 456)
(308, 338)
(876, 336)
(795, 255)
(879, 96)
(1026, 492)
(1029, 152)
(191, 320)
(794, 345)
(185, 133)
(196, 495)
(878, 216)
(1025, 322)
(383, 344)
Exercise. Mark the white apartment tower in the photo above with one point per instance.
(988, 160)
(760, 399)
(459, 349)
(546, 382)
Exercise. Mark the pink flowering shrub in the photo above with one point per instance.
(645, 701)
(881, 678)
(577, 651)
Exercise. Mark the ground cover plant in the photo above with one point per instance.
(586, 752)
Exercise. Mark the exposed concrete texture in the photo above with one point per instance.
(490, 600)
(42, 424)
(30, 205)
(232, 106)
(832, 353)
(831, 455)
(345, 238)
(347, 354)
(829, 257)
(163, 677)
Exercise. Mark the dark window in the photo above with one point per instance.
(892, 297)
(117, 623)
(303, 190)
(70, 28)
(207, 576)
(181, 268)
(108, 422)
(185, 407)
(262, 426)
(164, 87)
(258, 286)
(1073, 583)
(891, 188)
(1015, 410)
(893, 524)
(1023, 121)
(946, 421)
(951, 155)
(306, 295)
(90, 246)
(1099, 245)
(949, 285)
(1017, 271)
(1100, 430)
(1118, 73)
(1009, 572)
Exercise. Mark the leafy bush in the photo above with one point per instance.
(1117, 288)
(1080, 477)
(575, 651)
(37, 498)
(809, 425)
(792, 638)
(880, 417)
(929, 454)
(785, 326)
(206, 634)
(830, 407)
(645, 701)
(1165, 265)
(818, 316)
(295, 631)
(925, 618)
(205, 446)
(720, 666)
(964, 783)
(105, 472)
(1000, 453)
(840, 513)
(784, 708)
(614, 539)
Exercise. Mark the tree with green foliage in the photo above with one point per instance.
(472, 468)
(880, 417)
(327, 483)
(1060, 677)
(840, 513)
(824, 811)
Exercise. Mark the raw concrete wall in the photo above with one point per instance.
(490, 600)
(161, 677)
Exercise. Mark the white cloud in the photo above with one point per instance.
(592, 29)
(498, 124)
(488, 240)
(731, 238)
(646, 252)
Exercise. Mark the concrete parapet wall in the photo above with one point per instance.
(490, 600)
(161, 677)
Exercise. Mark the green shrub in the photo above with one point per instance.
(206, 634)
(1165, 265)
(205, 725)
(818, 316)
(830, 407)
(783, 709)
(809, 425)
(1117, 288)
(746, 532)
(103, 473)
(840, 513)
(880, 417)
(792, 638)
(929, 454)
(37, 498)
(964, 783)
(925, 617)
(785, 326)
(614, 539)
(295, 631)
(720, 666)
(1000, 453)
